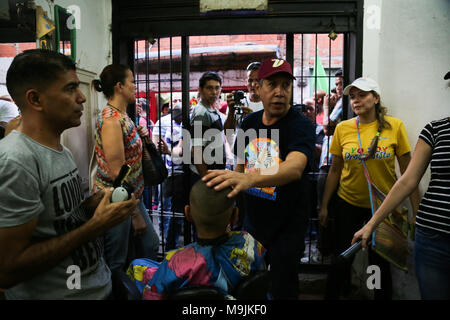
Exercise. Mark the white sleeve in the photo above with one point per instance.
(337, 111)
(8, 111)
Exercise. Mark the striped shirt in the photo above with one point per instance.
(434, 209)
(133, 152)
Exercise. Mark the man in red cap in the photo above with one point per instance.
(274, 147)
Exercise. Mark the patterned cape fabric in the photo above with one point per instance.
(222, 266)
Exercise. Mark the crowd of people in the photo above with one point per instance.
(248, 196)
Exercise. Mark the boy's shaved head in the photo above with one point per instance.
(210, 209)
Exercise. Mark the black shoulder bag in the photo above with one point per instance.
(153, 166)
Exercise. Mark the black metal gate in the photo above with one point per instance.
(138, 26)
(164, 77)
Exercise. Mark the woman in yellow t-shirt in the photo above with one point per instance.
(383, 139)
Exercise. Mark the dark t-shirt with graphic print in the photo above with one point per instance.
(272, 211)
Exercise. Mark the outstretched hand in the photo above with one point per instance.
(221, 179)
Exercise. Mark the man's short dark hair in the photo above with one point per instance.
(35, 68)
(339, 73)
(210, 75)
(253, 66)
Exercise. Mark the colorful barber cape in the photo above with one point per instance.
(220, 262)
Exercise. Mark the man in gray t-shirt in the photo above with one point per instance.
(50, 245)
(40, 182)
(207, 128)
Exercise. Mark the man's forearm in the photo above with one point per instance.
(230, 122)
(42, 256)
(286, 172)
(202, 169)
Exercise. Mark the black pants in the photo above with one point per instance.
(321, 180)
(348, 220)
(283, 256)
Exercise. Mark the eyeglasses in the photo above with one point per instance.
(212, 88)
(253, 66)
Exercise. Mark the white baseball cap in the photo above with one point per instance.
(364, 84)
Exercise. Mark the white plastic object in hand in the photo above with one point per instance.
(119, 194)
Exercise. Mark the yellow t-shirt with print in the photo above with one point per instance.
(393, 142)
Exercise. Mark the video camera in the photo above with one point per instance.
(239, 95)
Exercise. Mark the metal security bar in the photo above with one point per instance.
(155, 82)
(327, 59)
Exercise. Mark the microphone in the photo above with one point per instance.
(122, 190)
(350, 252)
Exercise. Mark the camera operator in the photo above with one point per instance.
(237, 107)
(237, 99)
(255, 102)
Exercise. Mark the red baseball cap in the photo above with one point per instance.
(272, 66)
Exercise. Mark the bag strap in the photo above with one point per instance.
(93, 166)
(367, 175)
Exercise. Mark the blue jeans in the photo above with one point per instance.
(165, 206)
(147, 197)
(117, 241)
(432, 263)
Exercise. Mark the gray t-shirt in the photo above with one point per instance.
(37, 181)
(206, 122)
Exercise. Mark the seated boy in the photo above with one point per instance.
(219, 258)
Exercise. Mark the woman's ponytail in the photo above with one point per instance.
(97, 84)
(110, 76)
(380, 112)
